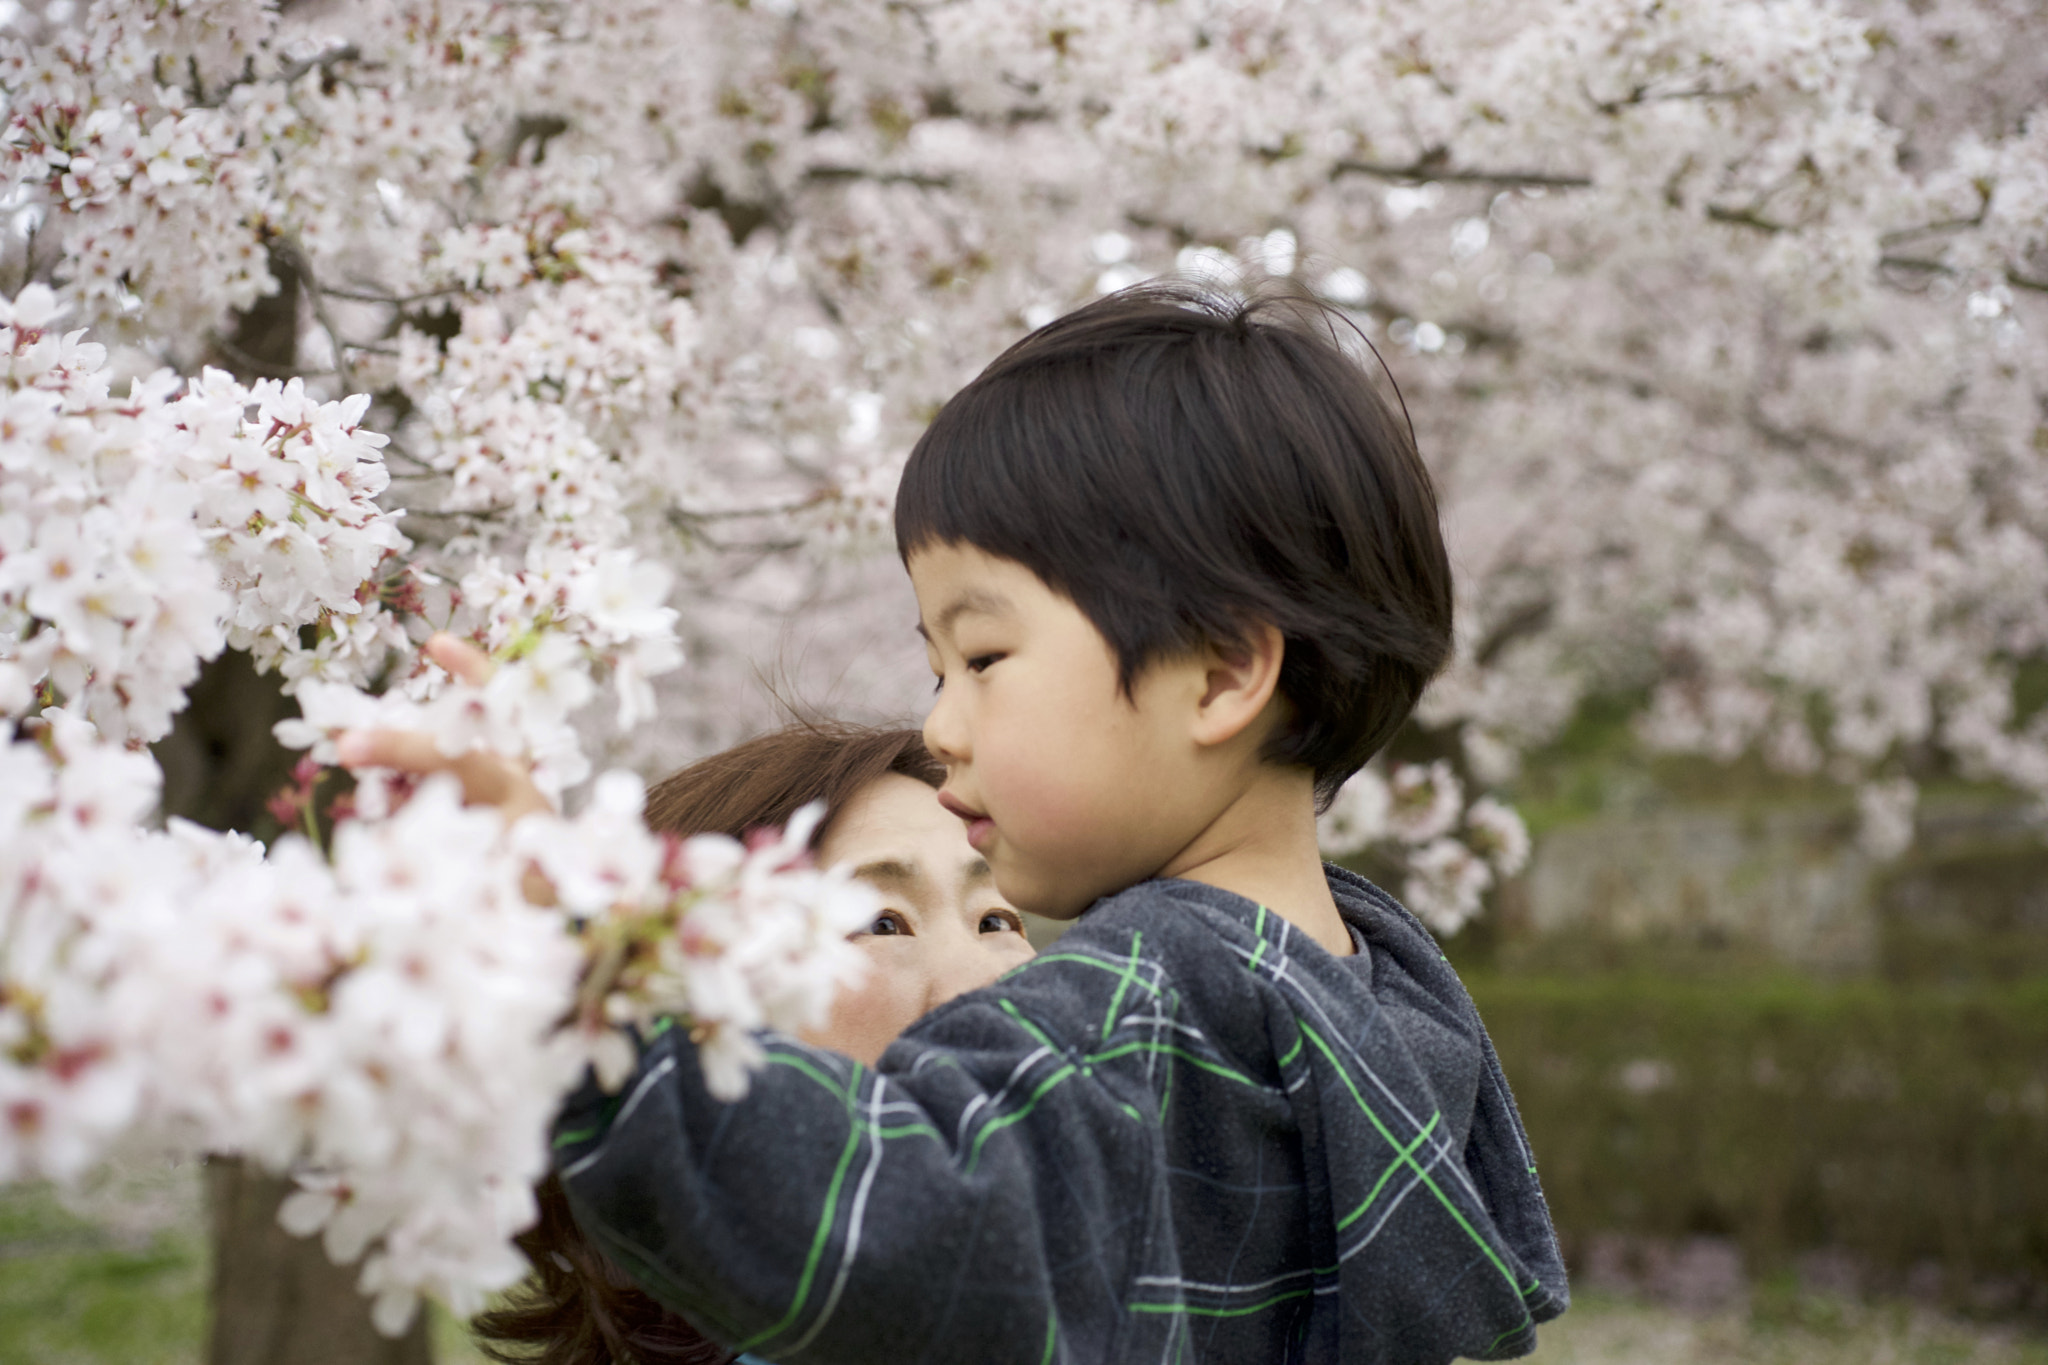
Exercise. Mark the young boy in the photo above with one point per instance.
(1180, 575)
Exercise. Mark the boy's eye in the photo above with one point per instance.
(977, 663)
(886, 924)
(1002, 922)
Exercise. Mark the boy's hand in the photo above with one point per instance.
(488, 779)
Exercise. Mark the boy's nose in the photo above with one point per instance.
(944, 734)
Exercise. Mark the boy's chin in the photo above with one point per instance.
(1059, 910)
(1046, 897)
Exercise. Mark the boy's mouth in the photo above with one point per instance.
(979, 826)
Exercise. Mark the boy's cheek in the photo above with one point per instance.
(1035, 801)
(1060, 845)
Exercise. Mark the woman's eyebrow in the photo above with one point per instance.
(892, 870)
(979, 871)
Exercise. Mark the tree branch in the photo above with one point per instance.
(827, 174)
(692, 517)
(1434, 166)
(256, 364)
(327, 60)
(1749, 218)
(394, 448)
(326, 319)
(1898, 235)
(1919, 263)
(1643, 94)
(394, 300)
(1926, 267)
(452, 513)
(1527, 619)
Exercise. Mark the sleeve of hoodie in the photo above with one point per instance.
(984, 1194)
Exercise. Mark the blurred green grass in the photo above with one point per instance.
(1608, 1330)
(119, 1277)
(1903, 1126)
(75, 1291)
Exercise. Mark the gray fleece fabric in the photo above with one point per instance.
(1184, 1133)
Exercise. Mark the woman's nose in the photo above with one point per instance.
(957, 969)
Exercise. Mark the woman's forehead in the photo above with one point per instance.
(897, 837)
(897, 820)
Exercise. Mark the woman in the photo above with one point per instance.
(943, 930)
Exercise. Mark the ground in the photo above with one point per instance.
(116, 1275)
(1608, 1330)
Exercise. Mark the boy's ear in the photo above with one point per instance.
(1239, 681)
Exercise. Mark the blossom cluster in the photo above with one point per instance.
(165, 220)
(398, 1026)
(144, 532)
(1417, 817)
(395, 1024)
(730, 938)
(567, 616)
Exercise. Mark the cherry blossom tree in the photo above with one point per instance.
(1720, 325)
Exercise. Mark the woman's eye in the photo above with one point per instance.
(889, 923)
(1001, 922)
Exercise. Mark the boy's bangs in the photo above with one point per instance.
(1057, 465)
(1054, 434)
(964, 484)
(1006, 467)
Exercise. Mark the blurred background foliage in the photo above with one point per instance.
(1727, 1025)
(1900, 1125)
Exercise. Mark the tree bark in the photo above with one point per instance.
(276, 1299)
(220, 760)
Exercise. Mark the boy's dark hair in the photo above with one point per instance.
(1181, 465)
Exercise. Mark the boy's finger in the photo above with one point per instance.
(461, 658)
(406, 750)
(488, 779)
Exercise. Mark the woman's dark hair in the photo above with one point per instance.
(577, 1308)
(769, 778)
(1183, 465)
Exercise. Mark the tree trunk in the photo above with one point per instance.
(220, 760)
(276, 1299)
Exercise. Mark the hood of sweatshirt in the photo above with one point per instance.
(1438, 1223)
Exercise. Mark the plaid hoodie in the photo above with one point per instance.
(1184, 1133)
